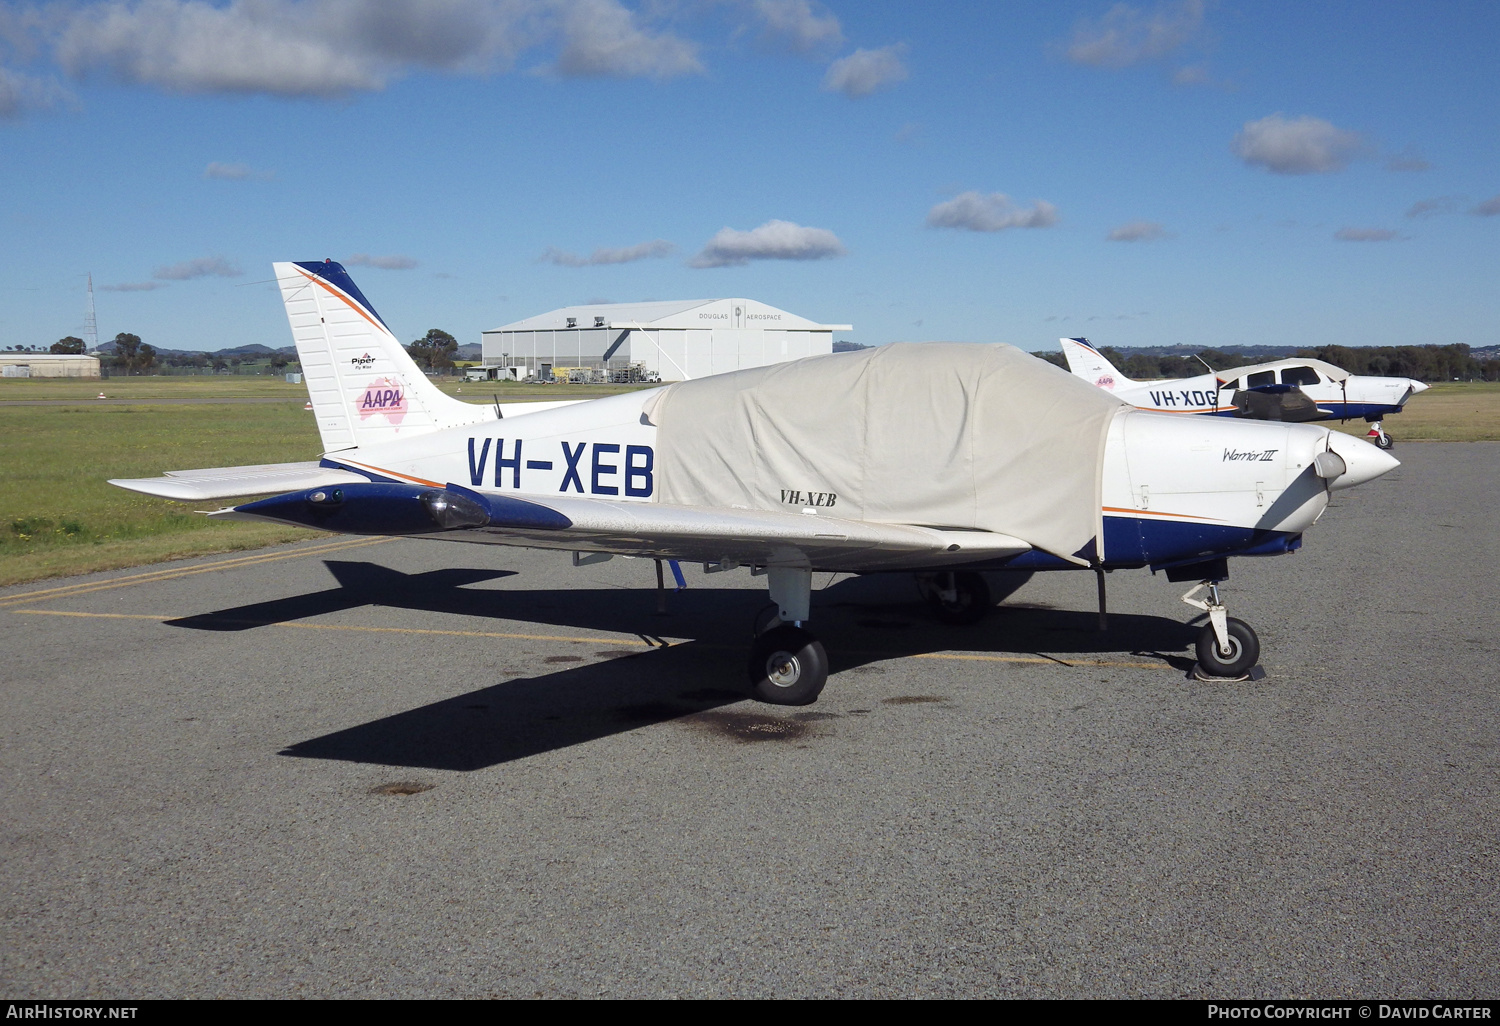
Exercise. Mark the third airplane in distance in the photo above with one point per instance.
(1294, 390)
(938, 459)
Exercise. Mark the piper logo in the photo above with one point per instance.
(363, 362)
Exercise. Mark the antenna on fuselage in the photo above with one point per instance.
(1205, 363)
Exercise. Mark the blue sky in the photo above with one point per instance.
(1142, 174)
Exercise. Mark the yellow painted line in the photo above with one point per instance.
(470, 634)
(68, 590)
(956, 656)
(95, 616)
(354, 627)
(1034, 659)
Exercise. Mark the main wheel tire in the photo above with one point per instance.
(1244, 650)
(969, 604)
(1385, 442)
(788, 666)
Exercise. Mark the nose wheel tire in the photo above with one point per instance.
(788, 666)
(968, 601)
(1385, 442)
(1237, 660)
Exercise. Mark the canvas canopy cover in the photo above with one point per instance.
(937, 434)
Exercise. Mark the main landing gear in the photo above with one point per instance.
(958, 597)
(1227, 647)
(788, 665)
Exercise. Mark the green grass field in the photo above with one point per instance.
(58, 516)
(1456, 411)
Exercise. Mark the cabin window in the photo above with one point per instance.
(1263, 378)
(1299, 376)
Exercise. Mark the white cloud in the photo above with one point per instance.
(602, 39)
(192, 47)
(22, 94)
(1138, 231)
(975, 212)
(202, 267)
(1299, 146)
(1489, 208)
(330, 48)
(1409, 159)
(1191, 75)
(865, 71)
(774, 240)
(1364, 235)
(1429, 207)
(798, 24)
(385, 263)
(1126, 35)
(623, 255)
(236, 172)
(134, 286)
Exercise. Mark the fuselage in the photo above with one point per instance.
(1174, 490)
(1359, 395)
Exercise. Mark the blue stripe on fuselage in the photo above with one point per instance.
(1338, 410)
(1131, 542)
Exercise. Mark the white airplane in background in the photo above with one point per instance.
(937, 459)
(1294, 390)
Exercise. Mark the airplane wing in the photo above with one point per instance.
(726, 536)
(229, 482)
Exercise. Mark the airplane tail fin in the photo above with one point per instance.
(1086, 362)
(364, 387)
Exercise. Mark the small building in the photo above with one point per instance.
(661, 341)
(48, 365)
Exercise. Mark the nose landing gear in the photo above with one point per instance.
(1379, 437)
(1227, 648)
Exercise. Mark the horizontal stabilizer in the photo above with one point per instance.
(228, 482)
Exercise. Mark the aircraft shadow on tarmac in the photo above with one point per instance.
(861, 620)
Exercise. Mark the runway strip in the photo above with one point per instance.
(174, 401)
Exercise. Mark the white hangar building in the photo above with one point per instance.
(669, 341)
(48, 365)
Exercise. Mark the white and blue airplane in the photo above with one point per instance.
(937, 459)
(1295, 390)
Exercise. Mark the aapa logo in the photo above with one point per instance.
(1106, 382)
(363, 362)
(383, 398)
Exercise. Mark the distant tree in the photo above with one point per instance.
(70, 346)
(434, 350)
(219, 364)
(278, 361)
(127, 346)
(145, 357)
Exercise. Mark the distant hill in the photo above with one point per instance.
(848, 347)
(254, 350)
(257, 351)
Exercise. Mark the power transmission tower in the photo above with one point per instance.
(90, 326)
